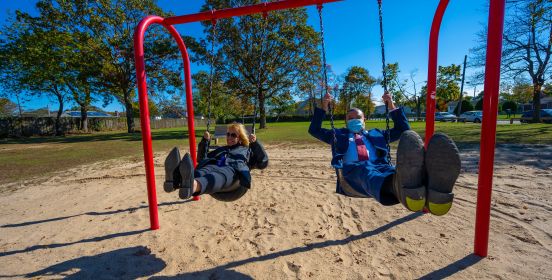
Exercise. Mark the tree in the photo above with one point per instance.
(172, 107)
(240, 41)
(7, 107)
(522, 92)
(282, 105)
(364, 103)
(37, 70)
(106, 29)
(358, 83)
(152, 109)
(224, 104)
(306, 85)
(395, 86)
(413, 98)
(509, 107)
(447, 85)
(526, 45)
(466, 106)
(479, 104)
(86, 48)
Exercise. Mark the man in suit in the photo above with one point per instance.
(420, 178)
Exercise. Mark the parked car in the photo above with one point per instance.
(471, 116)
(445, 117)
(545, 115)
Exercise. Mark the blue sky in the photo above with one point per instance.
(352, 34)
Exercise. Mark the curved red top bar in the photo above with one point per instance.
(432, 69)
(242, 11)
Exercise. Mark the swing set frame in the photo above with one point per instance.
(490, 99)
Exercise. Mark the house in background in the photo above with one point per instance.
(546, 103)
(90, 114)
(380, 109)
(451, 106)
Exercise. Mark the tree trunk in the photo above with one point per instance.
(262, 111)
(84, 118)
(419, 108)
(536, 101)
(129, 113)
(57, 125)
(20, 115)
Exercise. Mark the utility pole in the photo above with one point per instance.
(474, 88)
(462, 86)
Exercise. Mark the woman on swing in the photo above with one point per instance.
(219, 169)
(421, 178)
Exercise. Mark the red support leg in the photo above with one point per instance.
(488, 127)
(144, 112)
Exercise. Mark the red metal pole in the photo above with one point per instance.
(488, 127)
(242, 11)
(432, 69)
(144, 111)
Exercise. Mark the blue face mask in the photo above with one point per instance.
(355, 125)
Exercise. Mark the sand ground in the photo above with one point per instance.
(92, 222)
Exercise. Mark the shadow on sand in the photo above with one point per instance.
(57, 245)
(452, 268)
(93, 239)
(126, 263)
(130, 210)
(226, 272)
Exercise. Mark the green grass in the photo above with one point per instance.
(38, 156)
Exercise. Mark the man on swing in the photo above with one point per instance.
(421, 179)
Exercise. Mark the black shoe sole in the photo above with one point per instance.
(171, 165)
(410, 171)
(443, 168)
(186, 169)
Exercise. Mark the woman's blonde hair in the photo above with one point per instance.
(242, 133)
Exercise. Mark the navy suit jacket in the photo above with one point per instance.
(375, 136)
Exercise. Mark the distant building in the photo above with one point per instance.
(546, 103)
(451, 106)
(303, 108)
(380, 110)
(90, 114)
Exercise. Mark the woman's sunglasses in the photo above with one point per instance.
(233, 135)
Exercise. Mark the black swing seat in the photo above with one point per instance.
(233, 193)
(345, 186)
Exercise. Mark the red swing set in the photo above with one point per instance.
(490, 99)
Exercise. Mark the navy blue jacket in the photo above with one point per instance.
(359, 183)
(241, 158)
(375, 136)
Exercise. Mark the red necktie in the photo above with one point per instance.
(361, 148)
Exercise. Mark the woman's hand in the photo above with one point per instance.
(326, 102)
(388, 100)
(207, 136)
(252, 138)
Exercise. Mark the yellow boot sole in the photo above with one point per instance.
(415, 205)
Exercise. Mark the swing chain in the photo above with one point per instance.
(325, 85)
(211, 77)
(387, 135)
(260, 83)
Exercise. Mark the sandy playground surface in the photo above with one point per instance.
(92, 222)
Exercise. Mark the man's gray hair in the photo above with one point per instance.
(355, 110)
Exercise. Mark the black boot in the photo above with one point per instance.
(443, 168)
(172, 176)
(408, 180)
(186, 169)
